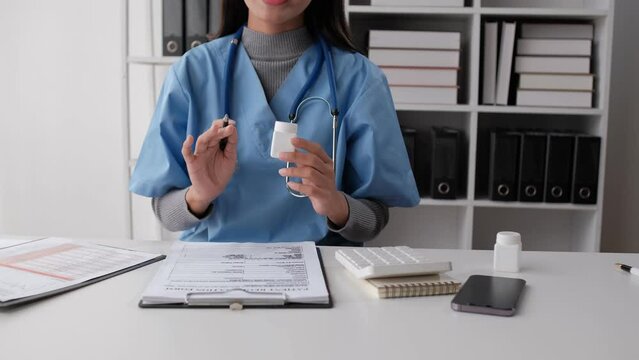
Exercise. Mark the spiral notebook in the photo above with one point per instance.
(409, 286)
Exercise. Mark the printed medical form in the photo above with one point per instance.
(52, 264)
(291, 269)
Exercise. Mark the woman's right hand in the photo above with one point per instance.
(210, 168)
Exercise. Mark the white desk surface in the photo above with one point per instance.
(575, 306)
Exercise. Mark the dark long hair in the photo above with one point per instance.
(321, 17)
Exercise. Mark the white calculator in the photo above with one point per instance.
(376, 262)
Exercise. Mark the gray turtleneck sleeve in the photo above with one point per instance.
(273, 57)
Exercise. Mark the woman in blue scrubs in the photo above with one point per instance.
(235, 191)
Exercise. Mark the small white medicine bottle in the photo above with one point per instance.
(507, 251)
(282, 134)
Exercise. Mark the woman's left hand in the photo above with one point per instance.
(315, 168)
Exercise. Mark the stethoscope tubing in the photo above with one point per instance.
(334, 118)
(325, 56)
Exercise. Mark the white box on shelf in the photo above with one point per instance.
(554, 47)
(420, 77)
(434, 3)
(491, 31)
(504, 68)
(395, 39)
(552, 65)
(578, 99)
(557, 31)
(415, 58)
(556, 82)
(424, 94)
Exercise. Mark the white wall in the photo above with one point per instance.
(61, 155)
(621, 202)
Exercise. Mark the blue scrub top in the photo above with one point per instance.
(256, 206)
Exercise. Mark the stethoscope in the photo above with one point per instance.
(324, 57)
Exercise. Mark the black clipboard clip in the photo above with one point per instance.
(235, 299)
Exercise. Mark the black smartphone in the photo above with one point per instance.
(489, 295)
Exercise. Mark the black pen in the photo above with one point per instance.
(628, 269)
(224, 141)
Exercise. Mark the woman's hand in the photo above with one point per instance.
(210, 168)
(315, 168)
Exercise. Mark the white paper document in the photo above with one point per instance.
(51, 264)
(244, 271)
(8, 242)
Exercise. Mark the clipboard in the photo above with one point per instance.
(48, 294)
(226, 300)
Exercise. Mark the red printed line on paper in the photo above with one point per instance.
(60, 277)
(38, 254)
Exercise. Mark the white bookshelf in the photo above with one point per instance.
(472, 221)
(152, 60)
(469, 222)
(144, 71)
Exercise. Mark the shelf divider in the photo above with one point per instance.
(442, 202)
(484, 203)
(409, 10)
(545, 12)
(153, 60)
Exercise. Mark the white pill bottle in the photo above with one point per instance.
(507, 251)
(282, 135)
